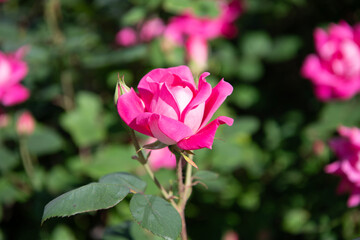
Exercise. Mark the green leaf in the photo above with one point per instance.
(250, 69)
(284, 48)
(128, 180)
(156, 215)
(257, 44)
(44, 141)
(109, 159)
(91, 197)
(9, 159)
(85, 123)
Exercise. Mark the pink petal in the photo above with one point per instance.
(201, 96)
(332, 167)
(184, 73)
(130, 107)
(167, 130)
(354, 200)
(205, 137)
(217, 97)
(141, 123)
(165, 104)
(14, 95)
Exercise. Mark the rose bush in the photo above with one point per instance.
(347, 148)
(12, 70)
(335, 69)
(171, 109)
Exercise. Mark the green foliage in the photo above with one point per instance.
(85, 122)
(91, 197)
(156, 215)
(270, 163)
(109, 191)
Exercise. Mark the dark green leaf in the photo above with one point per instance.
(156, 215)
(91, 197)
(128, 180)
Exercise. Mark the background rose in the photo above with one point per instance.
(347, 148)
(160, 158)
(170, 108)
(12, 70)
(335, 69)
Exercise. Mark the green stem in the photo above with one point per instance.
(144, 162)
(26, 158)
(184, 192)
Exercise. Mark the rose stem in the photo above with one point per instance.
(184, 192)
(144, 162)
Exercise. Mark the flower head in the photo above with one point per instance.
(335, 69)
(12, 71)
(172, 109)
(25, 124)
(347, 149)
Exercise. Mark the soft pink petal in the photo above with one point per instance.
(14, 95)
(205, 137)
(129, 106)
(354, 200)
(217, 97)
(165, 104)
(202, 95)
(167, 130)
(141, 123)
(332, 167)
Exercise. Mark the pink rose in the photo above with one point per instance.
(170, 108)
(335, 69)
(188, 24)
(126, 37)
(197, 52)
(12, 70)
(347, 148)
(160, 158)
(151, 29)
(25, 124)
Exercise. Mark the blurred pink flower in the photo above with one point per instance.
(188, 24)
(151, 29)
(197, 52)
(335, 69)
(347, 149)
(4, 119)
(12, 70)
(126, 37)
(25, 124)
(230, 235)
(160, 158)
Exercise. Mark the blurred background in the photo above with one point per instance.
(271, 183)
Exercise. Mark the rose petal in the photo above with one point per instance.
(14, 95)
(217, 97)
(129, 106)
(167, 130)
(205, 137)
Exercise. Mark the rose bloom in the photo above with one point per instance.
(12, 70)
(347, 149)
(197, 52)
(126, 37)
(160, 158)
(25, 124)
(335, 69)
(151, 29)
(189, 24)
(172, 109)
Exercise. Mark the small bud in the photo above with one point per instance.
(25, 124)
(4, 120)
(120, 89)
